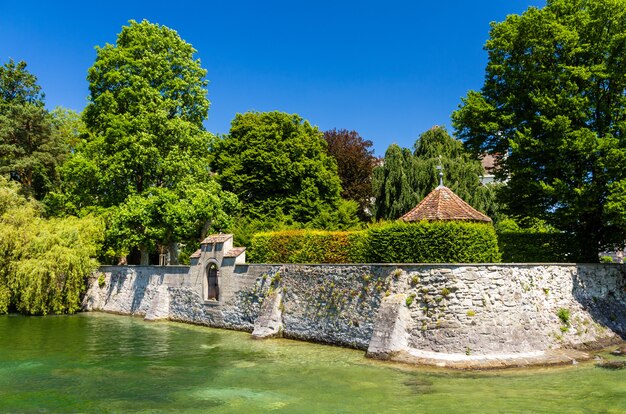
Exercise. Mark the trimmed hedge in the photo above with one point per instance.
(424, 242)
(306, 246)
(523, 247)
(433, 242)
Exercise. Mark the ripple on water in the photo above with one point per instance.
(105, 363)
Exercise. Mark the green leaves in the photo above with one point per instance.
(43, 263)
(424, 242)
(144, 160)
(276, 160)
(32, 142)
(405, 178)
(553, 101)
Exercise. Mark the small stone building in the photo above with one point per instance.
(216, 255)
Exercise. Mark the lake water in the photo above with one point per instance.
(105, 363)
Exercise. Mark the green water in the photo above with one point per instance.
(103, 363)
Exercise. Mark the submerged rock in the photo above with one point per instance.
(612, 364)
(621, 351)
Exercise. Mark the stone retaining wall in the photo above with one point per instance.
(452, 315)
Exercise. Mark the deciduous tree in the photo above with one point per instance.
(355, 163)
(554, 102)
(145, 159)
(406, 177)
(274, 160)
(44, 263)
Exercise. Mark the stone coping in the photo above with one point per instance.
(433, 264)
(377, 264)
(145, 266)
(490, 361)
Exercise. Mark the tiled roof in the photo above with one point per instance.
(196, 254)
(488, 162)
(216, 238)
(235, 251)
(443, 204)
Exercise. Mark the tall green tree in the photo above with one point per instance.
(355, 163)
(406, 177)
(553, 106)
(146, 146)
(146, 106)
(393, 184)
(31, 148)
(277, 161)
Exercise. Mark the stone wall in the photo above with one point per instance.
(499, 309)
(418, 313)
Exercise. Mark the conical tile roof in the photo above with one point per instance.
(443, 204)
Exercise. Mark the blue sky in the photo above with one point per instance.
(389, 70)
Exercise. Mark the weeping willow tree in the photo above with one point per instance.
(44, 263)
(406, 177)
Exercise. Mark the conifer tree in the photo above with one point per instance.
(31, 148)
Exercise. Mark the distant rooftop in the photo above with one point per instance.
(443, 204)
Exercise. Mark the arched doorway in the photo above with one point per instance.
(212, 283)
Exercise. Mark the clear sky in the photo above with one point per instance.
(389, 70)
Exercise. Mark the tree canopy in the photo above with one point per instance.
(147, 103)
(31, 145)
(277, 161)
(553, 108)
(44, 263)
(406, 177)
(355, 163)
(145, 157)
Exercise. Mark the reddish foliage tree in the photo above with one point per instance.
(355, 163)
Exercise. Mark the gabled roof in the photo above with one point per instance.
(235, 252)
(443, 204)
(196, 254)
(216, 238)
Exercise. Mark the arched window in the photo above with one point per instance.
(212, 285)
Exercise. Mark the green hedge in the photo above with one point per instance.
(424, 242)
(306, 246)
(432, 242)
(523, 247)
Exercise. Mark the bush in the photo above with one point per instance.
(606, 259)
(306, 246)
(424, 242)
(522, 247)
(432, 242)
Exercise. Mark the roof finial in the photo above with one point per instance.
(440, 169)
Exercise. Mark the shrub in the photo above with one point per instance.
(564, 315)
(306, 246)
(606, 259)
(424, 242)
(432, 242)
(523, 247)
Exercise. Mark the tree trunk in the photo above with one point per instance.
(172, 248)
(145, 257)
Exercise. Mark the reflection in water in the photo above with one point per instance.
(98, 362)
